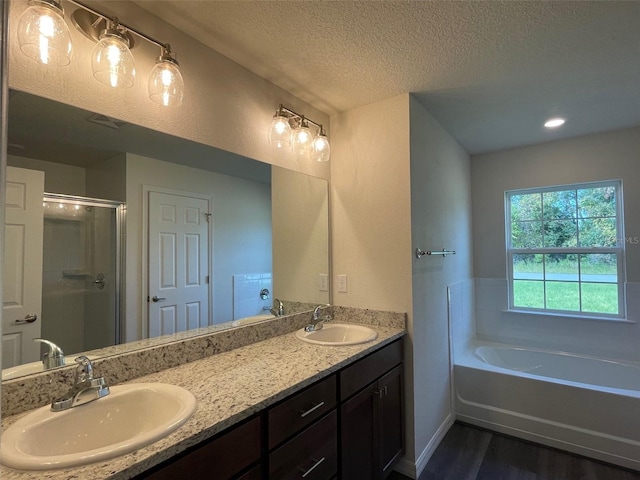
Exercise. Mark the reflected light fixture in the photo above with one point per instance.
(43, 34)
(112, 62)
(166, 86)
(289, 128)
(554, 122)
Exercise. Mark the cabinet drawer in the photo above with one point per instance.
(310, 455)
(301, 410)
(254, 474)
(219, 459)
(364, 371)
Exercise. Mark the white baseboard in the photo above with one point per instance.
(414, 470)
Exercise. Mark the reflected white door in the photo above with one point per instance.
(22, 288)
(178, 263)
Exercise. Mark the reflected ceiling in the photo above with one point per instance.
(64, 134)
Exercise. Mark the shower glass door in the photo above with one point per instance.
(81, 272)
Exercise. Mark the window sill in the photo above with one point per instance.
(568, 316)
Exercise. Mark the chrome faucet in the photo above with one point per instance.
(85, 388)
(54, 357)
(278, 312)
(316, 323)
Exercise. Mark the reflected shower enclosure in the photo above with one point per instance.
(81, 271)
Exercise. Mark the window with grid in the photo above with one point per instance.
(565, 249)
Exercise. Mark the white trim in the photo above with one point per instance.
(146, 189)
(408, 468)
(618, 250)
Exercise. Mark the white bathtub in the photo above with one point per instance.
(580, 404)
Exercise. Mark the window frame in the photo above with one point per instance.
(618, 250)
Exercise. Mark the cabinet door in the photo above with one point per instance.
(372, 429)
(357, 433)
(219, 459)
(254, 474)
(391, 420)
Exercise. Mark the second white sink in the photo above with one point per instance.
(338, 334)
(130, 417)
(21, 370)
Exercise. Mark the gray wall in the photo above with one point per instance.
(612, 155)
(440, 217)
(239, 206)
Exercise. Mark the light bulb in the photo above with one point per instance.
(280, 131)
(43, 34)
(302, 139)
(320, 148)
(112, 62)
(554, 122)
(166, 86)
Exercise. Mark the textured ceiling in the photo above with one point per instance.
(489, 71)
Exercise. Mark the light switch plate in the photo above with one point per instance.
(342, 284)
(323, 282)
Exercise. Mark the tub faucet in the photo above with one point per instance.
(85, 388)
(54, 357)
(278, 312)
(316, 323)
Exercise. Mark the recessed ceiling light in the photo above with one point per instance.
(554, 122)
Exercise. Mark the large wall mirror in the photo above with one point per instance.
(142, 235)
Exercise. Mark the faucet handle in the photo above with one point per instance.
(84, 370)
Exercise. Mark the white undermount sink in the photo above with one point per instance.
(130, 417)
(338, 334)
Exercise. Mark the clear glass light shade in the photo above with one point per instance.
(166, 86)
(280, 131)
(320, 148)
(302, 141)
(112, 61)
(43, 34)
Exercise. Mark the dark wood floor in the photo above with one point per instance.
(470, 453)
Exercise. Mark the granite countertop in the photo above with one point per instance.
(229, 387)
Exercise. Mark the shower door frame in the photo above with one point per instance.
(120, 209)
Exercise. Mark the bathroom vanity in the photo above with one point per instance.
(350, 422)
(275, 408)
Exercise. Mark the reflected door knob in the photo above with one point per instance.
(29, 318)
(156, 299)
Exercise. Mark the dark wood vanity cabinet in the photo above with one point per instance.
(307, 423)
(372, 415)
(310, 455)
(230, 455)
(347, 426)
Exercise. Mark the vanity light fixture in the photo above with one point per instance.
(44, 36)
(289, 128)
(166, 86)
(554, 122)
(112, 62)
(320, 149)
(301, 138)
(280, 131)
